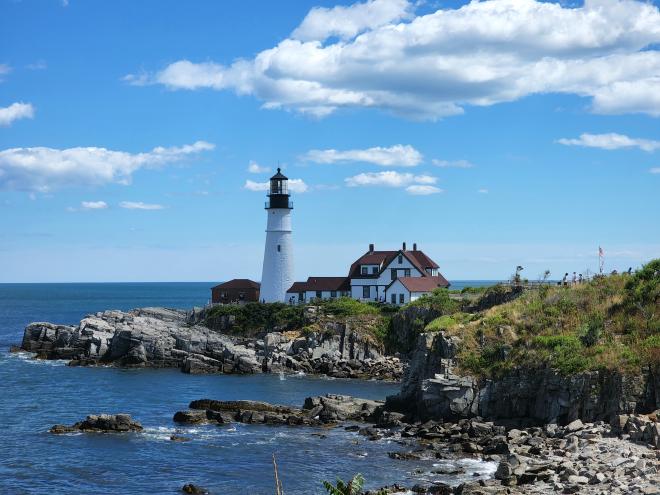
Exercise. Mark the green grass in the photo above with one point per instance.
(609, 323)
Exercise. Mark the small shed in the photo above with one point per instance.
(236, 291)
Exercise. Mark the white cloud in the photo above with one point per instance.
(44, 169)
(295, 185)
(419, 190)
(4, 70)
(399, 154)
(655, 170)
(255, 168)
(611, 141)
(16, 111)
(434, 65)
(482, 191)
(452, 163)
(38, 65)
(251, 185)
(139, 205)
(388, 178)
(346, 22)
(94, 205)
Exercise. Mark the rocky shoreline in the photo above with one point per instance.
(592, 458)
(166, 338)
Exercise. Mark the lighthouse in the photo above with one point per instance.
(277, 274)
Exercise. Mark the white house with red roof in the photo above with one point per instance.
(395, 277)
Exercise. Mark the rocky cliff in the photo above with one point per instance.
(158, 337)
(431, 389)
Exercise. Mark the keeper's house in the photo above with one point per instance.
(395, 277)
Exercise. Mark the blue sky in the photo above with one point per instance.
(127, 129)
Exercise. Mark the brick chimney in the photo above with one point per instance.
(414, 246)
(371, 248)
(404, 246)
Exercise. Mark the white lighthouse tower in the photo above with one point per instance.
(277, 274)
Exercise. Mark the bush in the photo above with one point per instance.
(437, 300)
(256, 317)
(346, 306)
(591, 331)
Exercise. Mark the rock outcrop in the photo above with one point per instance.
(102, 423)
(432, 390)
(326, 409)
(158, 337)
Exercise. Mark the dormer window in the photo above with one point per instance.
(365, 270)
(374, 270)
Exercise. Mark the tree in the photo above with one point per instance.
(353, 487)
(643, 291)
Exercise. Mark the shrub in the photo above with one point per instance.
(346, 306)
(437, 300)
(591, 331)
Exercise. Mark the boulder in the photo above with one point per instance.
(103, 423)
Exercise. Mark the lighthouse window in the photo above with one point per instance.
(279, 248)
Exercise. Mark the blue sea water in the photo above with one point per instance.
(34, 395)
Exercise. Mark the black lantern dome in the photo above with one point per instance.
(278, 194)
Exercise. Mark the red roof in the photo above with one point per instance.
(383, 258)
(239, 283)
(322, 283)
(422, 284)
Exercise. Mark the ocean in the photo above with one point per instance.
(225, 459)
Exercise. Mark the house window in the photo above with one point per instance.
(402, 298)
(319, 294)
(366, 292)
(400, 259)
(374, 270)
(406, 272)
(393, 273)
(393, 298)
(333, 293)
(365, 270)
(301, 296)
(279, 248)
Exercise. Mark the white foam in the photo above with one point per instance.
(28, 357)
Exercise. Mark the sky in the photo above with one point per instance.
(136, 137)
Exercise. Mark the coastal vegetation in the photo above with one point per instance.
(610, 322)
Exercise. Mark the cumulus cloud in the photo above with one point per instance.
(611, 141)
(94, 205)
(295, 185)
(139, 205)
(16, 111)
(380, 55)
(452, 163)
(346, 22)
(255, 168)
(420, 190)
(397, 155)
(389, 178)
(655, 170)
(44, 169)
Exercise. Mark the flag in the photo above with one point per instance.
(600, 251)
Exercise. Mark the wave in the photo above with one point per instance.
(28, 357)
